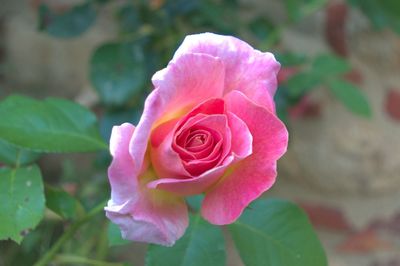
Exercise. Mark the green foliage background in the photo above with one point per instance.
(73, 229)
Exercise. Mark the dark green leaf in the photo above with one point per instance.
(291, 59)
(113, 118)
(261, 27)
(202, 244)
(63, 203)
(351, 96)
(298, 9)
(195, 201)
(51, 125)
(276, 232)
(22, 201)
(326, 66)
(128, 18)
(381, 13)
(13, 155)
(301, 83)
(117, 72)
(70, 23)
(114, 236)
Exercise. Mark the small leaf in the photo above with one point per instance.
(114, 236)
(351, 97)
(71, 23)
(299, 9)
(301, 83)
(51, 125)
(202, 244)
(381, 13)
(261, 27)
(117, 71)
(129, 18)
(13, 155)
(63, 203)
(22, 201)
(276, 232)
(329, 65)
(291, 59)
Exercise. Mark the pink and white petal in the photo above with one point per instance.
(153, 108)
(189, 80)
(122, 179)
(195, 185)
(249, 178)
(166, 161)
(242, 140)
(156, 216)
(248, 70)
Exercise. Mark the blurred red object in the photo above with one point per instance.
(326, 217)
(286, 73)
(335, 27)
(305, 108)
(393, 104)
(364, 241)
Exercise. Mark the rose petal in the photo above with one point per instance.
(242, 140)
(249, 178)
(156, 216)
(195, 185)
(246, 69)
(122, 180)
(145, 215)
(189, 80)
(241, 148)
(165, 159)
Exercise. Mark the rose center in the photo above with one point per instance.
(196, 140)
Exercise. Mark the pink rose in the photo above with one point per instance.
(208, 127)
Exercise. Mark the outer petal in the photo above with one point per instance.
(145, 215)
(123, 182)
(154, 216)
(185, 82)
(249, 178)
(247, 70)
(189, 80)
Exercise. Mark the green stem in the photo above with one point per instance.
(72, 259)
(49, 255)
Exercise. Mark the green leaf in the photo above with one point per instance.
(298, 9)
(63, 203)
(129, 18)
(326, 66)
(261, 27)
(351, 97)
(202, 244)
(301, 83)
(381, 13)
(51, 125)
(22, 201)
(117, 72)
(194, 202)
(114, 236)
(276, 232)
(291, 59)
(13, 155)
(70, 23)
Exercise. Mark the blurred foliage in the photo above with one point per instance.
(120, 72)
(382, 13)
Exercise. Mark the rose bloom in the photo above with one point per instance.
(208, 127)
